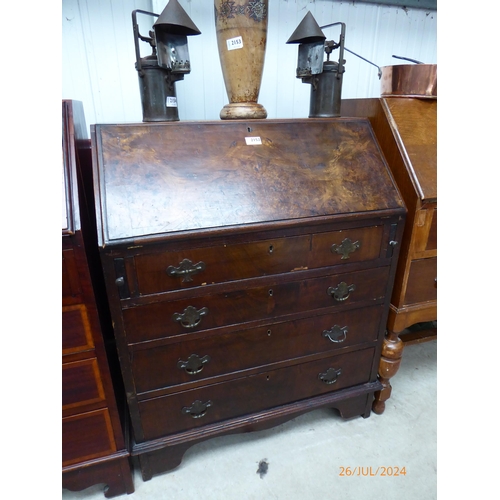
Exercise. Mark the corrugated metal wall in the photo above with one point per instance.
(99, 57)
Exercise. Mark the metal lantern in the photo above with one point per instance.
(325, 77)
(167, 64)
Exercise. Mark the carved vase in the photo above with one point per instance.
(241, 27)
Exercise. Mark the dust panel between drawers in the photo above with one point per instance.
(201, 359)
(177, 317)
(217, 402)
(167, 271)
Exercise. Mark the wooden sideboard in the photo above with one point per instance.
(249, 267)
(406, 129)
(93, 443)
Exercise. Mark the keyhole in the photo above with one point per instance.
(270, 293)
(268, 333)
(271, 248)
(249, 129)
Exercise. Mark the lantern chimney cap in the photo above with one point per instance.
(308, 31)
(174, 20)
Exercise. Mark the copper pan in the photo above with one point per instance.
(409, 80)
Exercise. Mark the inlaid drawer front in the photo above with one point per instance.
(87, 436)
(81, 384)
(76, 332)
(170, 318)
(422, 281)
(217, 402)
(173, 270)
(188, 361)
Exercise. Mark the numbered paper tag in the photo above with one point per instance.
(234, 43)
(171, 102)
(252, 141)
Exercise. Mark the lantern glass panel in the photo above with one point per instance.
(310, 60)
(172, 52)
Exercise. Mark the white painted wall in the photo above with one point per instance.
(98, 54)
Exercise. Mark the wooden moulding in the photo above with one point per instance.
(165, 454)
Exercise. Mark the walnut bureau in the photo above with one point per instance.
(93, 443)
(406, 128)
(249, 267)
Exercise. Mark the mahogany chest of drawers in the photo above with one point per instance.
(249, 267)
(406, 128)
(93, 444)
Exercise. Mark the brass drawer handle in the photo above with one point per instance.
(341, 292)
(197, 409)
(330, 376)
(185, 269)
(345, 248)
(191, 316)
(194, 364)
(336, 334)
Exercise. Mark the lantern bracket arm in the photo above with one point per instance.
(137, 36)
(351, 52)
(330, 46)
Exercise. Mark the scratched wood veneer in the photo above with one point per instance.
(249, 267)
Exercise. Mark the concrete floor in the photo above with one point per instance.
(306, 456)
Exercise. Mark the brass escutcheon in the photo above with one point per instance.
(345, 248)
(341, 292)
(330, 376)
(185, 270)
(191, 316)
(336, 334)
(197, 409)
(194, 364)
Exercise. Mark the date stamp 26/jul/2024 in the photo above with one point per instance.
(370, 471)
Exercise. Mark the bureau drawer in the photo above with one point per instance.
(167, 271)
(188, 361)
(81, 384)
(87, 436)
(170, 318)
(217, 402)
(422, 285)
(76, 332)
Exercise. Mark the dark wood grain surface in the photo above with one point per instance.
(237, 245)
(159, 178)
(245, 350)
(249, 394)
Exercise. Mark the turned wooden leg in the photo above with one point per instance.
(392, 351)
